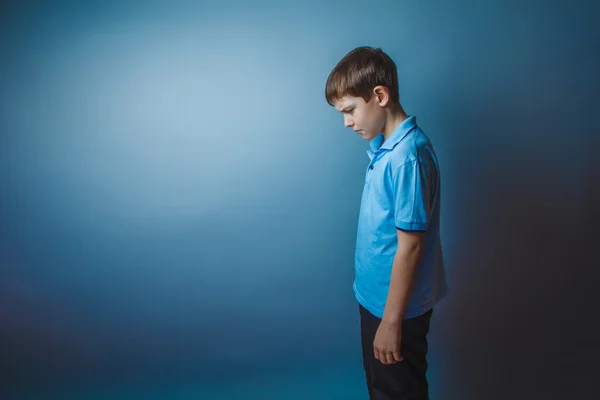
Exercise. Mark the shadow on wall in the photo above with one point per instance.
(518, 320)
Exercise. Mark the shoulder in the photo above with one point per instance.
(415, 147)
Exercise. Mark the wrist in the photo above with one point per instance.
(394, 320)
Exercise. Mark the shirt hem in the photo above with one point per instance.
(410, 313)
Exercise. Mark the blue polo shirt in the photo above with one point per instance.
(402, 191)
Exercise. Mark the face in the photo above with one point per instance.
(365, 118)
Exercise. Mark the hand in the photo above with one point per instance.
(387, 342)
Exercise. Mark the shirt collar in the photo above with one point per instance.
(401, 131)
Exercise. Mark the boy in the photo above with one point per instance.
(399, 268)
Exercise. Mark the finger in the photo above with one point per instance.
(383, 357)
(390, 357)
(376, 352)
(397, 356)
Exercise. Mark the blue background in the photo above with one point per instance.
(178, 203)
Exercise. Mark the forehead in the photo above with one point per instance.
(348, 101)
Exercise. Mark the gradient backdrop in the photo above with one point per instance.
(178, 203)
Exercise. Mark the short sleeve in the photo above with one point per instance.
(411, 196)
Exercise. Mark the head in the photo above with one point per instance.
(363, 86)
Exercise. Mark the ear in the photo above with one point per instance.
(381, 95)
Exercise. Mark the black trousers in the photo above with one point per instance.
(404, 380)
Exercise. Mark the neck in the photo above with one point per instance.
(395, 117)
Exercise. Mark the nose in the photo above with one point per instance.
(348, 123)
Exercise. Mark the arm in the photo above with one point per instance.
(411, 194)
(404, 268)
(386, 345)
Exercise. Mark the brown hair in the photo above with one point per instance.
(359, 72)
